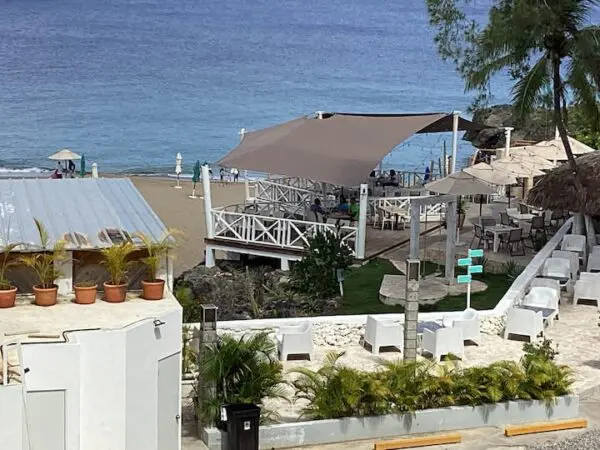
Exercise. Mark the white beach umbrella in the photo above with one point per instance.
(460, 183)
(490, 175)
(178, 161)
(64, 155)
(578, 148)
(517, 167)
(534, 161)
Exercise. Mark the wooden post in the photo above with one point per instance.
(361, 237)
(207, 202)
(445, 159)
(451, 223)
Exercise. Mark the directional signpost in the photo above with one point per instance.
(468, 263)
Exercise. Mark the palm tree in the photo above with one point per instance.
(542, 43)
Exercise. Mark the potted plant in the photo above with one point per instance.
(44, 265)
(85, 292)
(153, 287)
(115, 260)
(8, 293)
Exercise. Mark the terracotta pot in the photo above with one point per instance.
(115, 293)
(8, 297)
(85, 295)
(153, 290)
(45, 296)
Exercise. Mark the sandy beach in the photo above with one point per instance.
(186, 215)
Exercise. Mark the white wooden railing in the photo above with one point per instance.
(300, 183)
(429, 213)
(273, 231)
(269, 191)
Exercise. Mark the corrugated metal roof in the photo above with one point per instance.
(87, 213)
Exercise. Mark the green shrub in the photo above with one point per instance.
(316, 273)
(512, 269)
(244, 370)
(336, 391)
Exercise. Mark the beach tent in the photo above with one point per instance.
(337, 148)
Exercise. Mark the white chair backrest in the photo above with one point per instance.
(546, 282)
(573, 257)
(573, 242)
(593, 262)
(588, 276)
(596, 249)
(512, 211)
(557, 267)
(469, 314)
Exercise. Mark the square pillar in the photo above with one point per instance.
(411, 309)
(451, 224)
(65, 282)
(361, 234)
(209, 258)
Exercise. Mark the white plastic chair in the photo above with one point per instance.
(383, 333)
(443, 342)
(524, 322)
(593, 263)
(574, 243)
(596, 249)
(573, 257)
(385, 217)
(544, 297)
(468, 322)
(295, 340)
(558, 269)
(587, 288)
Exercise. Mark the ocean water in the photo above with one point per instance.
(130, 83)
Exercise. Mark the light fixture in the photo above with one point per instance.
(158, 322)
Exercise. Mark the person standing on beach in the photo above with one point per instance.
(236, 174)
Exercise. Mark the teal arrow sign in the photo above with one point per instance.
(475, 269)
(465, 261)
(476, 253)
(464, 278)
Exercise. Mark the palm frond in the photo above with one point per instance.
(528, 89)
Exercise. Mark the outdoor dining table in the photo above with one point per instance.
(498, 230)
(522, 217)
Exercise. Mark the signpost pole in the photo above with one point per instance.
(469, 295)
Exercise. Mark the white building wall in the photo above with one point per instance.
(111, 383)
(102, 389)
(56, 366)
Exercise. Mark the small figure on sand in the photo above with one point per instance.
(235, 174)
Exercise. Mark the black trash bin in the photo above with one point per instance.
(242, 427)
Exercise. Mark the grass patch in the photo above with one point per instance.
(361, 290)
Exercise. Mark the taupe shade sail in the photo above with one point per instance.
(340, 148)
(460, 183)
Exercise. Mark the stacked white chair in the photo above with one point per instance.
(587, 288)
(524, 322)
(593, 263)
(544, 293)
(558, 269)
(295, 340)
(468, 322)
(383, 333)
(574, 243)
(443, 342)
(573, 257)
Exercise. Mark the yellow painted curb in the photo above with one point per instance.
(542, 427)
(419, 441)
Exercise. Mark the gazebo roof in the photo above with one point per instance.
(338, 148)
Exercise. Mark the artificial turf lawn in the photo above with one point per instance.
(361, 290)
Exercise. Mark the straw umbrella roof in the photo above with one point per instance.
(557, 189)
(487, 173)
(64, 155)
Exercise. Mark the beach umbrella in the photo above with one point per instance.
(64, 155)
(195, 178)
(460, 183)
(82, 166)
(94, 170)
(490, 175)
(178, 160)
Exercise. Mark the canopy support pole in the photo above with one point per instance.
(455, 117)
(361, 234)
(246, 185)
(451, 228)
(210, 233)
(507, 131)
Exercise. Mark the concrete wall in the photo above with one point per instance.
(111, 383)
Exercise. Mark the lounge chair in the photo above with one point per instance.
(593, 263)
(383, 333)
(587, 288)
(295, 340)
(468, 322)
(524, 322)
(558, 269)
(443, 342)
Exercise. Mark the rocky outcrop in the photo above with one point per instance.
(536, 128)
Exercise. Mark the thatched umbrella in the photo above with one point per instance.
(557, 189)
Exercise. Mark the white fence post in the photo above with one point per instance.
(210, 233)
(361, 235)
